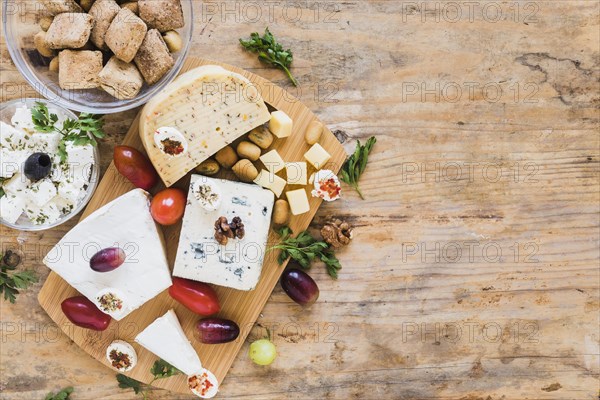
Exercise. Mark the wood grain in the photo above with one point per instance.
(353, 60)
(240, 306)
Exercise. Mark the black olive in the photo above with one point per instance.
(37, 166)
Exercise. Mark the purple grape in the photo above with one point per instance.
(107, 259)
(299, 286)
(217, 330)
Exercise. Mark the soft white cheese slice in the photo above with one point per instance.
(166, 339)
(126, 223)
(11, 137)
(239, 263)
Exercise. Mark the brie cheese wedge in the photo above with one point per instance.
(237, 264)
(166, 339)
(125, 223)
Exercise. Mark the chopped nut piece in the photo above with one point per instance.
(225, 231)
(164, 15)
(337, 233)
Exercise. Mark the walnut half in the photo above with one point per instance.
(225, 231)
(337, 233)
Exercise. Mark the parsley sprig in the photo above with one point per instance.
(11, 280)
(270, 52)
(304, 249)
(82, 131)
(161, 369)
(62, 395)
(355, 164)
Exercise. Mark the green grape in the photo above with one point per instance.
(262, 352)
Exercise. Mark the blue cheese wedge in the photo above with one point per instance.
(209, 107)
(125, 223)
(237, 264)
(166, 339)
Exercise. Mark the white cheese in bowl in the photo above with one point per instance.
(45, 199)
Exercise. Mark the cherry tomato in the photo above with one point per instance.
(82, 312)
(135, 166)
(167, 206)
(197, 296)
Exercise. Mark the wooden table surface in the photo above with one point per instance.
(474, 269)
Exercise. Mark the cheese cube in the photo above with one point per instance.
(44, 142)
(11, 138)
(69, 192)
(79, 156)
(298, 201)
(317, 156)
(22, 119)
(296, 173)
(46, 214)
(11, 208)
(16, 185)
(11, 161)
(41, 192)
(269, 180)
(273, 161)
(280, 124)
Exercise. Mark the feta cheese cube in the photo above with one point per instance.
(272, 161)
(79, 156)
(280, 124)
(296, 173)
(41, 192)
(16, 185)
(317, 156)
(44, 142)
(44, 215)
(10, 137)
(11, 208)
(270, 181)
(69, 192)
(22, 119)
(63, 205)
(298, 201)
(11, 161)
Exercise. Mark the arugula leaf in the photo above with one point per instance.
(162, 369)
(11, 282)
(61, 395)
(270, 51)
(126, 382)
(82, 131)
(356, 164)
(304, 249)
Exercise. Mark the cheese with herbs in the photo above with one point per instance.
(125, 223)
(209, 107)
(237, 264)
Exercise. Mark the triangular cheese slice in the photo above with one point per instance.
(125, 223)
(166, 339)
(204, 110)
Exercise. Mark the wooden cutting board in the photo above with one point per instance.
(239, 306)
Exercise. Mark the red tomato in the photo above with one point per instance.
(167, 206)
(82, 312)
(197, 296)
(135, 166)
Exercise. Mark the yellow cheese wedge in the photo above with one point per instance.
(208, 107)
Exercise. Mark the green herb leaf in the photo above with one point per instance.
(304, 249)
(11, 282)
(356, 164)
(162, 369)
(270, 51)
(126, 382)
(62, 395)
(82, 131)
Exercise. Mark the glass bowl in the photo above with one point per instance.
(20, 20)
(7, 110)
